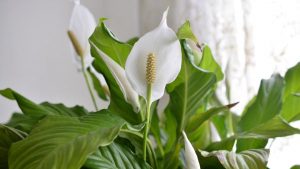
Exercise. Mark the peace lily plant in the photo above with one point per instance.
(139, 129)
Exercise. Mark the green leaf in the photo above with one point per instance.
(266, 105)
(209, 63)
(8, 136)
(189, 90)
(132, 41)
(197, 119)
(225, 144)
(262, 119)
(251, 159)
(22, 122)
(60, 142)
(292, 80)
(276, 127)
(34, 110)
(115, 156)
(185, 32)
(291, 105)
(250, 143)
(97, 85)
(105, 40)
(296, 167)
(118, 102)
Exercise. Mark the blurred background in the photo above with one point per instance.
(251, 39)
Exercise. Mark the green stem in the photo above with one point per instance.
(88, 83)
(148, 120)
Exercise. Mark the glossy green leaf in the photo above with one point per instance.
(105, 40)
(60, 142)
(250, 159)
(97, 85)
(8, 136)
(115, 156)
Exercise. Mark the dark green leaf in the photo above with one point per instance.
(34, 110)
(8, 136)
(115, 156)
(64, 142)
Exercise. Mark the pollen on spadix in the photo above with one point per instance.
(151, 68)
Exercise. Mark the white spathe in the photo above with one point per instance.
(190, 154)
(163, 43)
(82, 24)
(119, 74)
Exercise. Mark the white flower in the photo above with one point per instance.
(165, 62)
(82, 25)
(190, 154)
(119, 74)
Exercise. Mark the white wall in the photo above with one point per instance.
(35, 58)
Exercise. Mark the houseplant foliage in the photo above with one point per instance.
(136, 131)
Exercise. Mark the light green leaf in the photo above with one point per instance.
(115, 156)
(251, 159)
(8, 136)
(209, 63)
(61, 142)
(185, 32)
